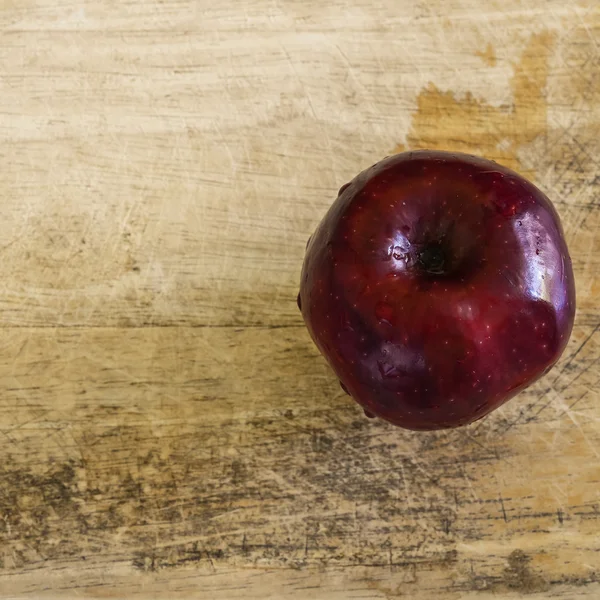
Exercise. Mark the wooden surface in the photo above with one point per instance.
(167, 428)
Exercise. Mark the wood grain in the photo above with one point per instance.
(167, 428)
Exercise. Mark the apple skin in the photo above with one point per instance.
(438, 285)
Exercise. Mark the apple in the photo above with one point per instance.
(438, 285)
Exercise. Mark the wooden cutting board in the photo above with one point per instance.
(167, 428)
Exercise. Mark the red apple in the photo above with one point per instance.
(438, 285)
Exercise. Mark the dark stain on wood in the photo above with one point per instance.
(469, 124)
(518, 575)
